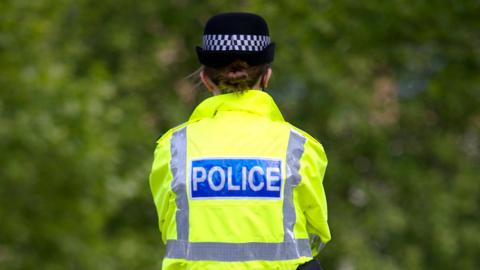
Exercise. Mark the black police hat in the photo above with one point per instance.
(237, 35)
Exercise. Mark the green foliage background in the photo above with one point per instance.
(391, 88)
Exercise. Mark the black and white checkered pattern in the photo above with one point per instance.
(235, 42)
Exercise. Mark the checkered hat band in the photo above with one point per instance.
(253, 43)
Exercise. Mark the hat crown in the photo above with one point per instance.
(236, 36)
(236, 23)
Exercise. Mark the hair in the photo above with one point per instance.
(238, 76)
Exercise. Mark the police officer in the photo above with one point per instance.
(237, 187)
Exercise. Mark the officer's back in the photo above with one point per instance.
(237, 187)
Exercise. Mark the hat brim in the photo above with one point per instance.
(219, 59)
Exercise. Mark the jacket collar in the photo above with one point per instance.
(251, 101)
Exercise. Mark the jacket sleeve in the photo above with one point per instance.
(311, 192)
(160, 181)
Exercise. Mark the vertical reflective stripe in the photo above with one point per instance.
(178, 149)
(295, 151)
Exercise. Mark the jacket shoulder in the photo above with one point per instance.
(167, 135)
(307, 136)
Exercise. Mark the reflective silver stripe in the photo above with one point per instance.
(231, 252)
(316, 242)
(295, 151)
(178, 150)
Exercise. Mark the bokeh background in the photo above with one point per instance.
(391, 89)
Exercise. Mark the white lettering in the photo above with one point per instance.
(230, 184)
(273, 178)
(212, 185)
(259, 170)
(255, 179)
(244, 178)
(196, 179)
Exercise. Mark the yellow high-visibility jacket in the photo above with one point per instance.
(236, 187)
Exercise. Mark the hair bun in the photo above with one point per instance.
(238, 76)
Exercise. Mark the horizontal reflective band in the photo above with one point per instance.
(235, 42)
(232, 252)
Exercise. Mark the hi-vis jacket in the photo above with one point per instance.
(237, 187)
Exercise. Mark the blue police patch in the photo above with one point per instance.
(236, 178)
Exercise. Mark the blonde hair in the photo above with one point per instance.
(236, 77)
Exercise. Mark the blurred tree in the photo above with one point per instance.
(391, 88)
